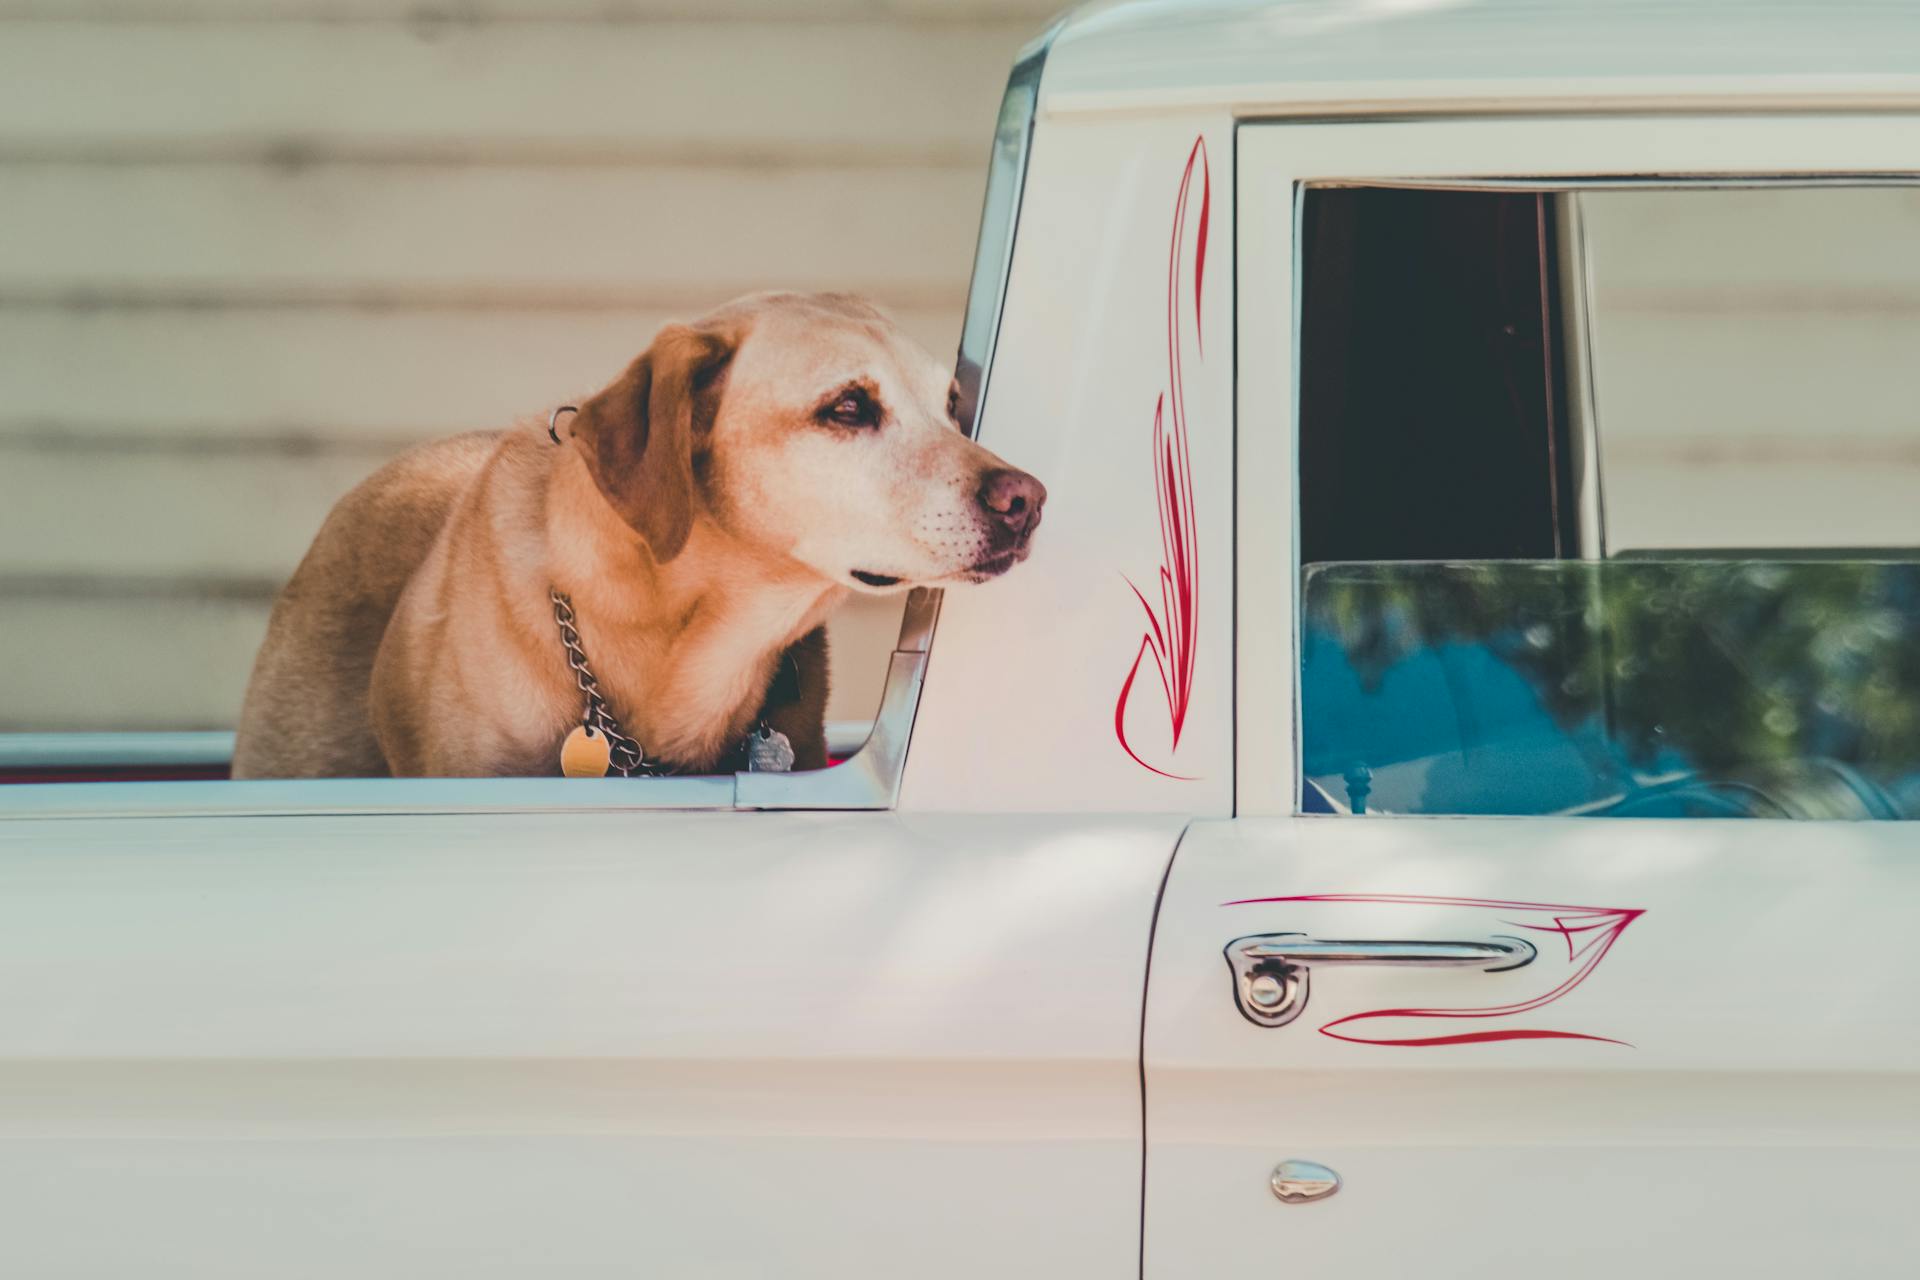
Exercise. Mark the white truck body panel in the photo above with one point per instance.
(1018, 707)
(1755, 1118)
(1339, 57)
(702, 1044)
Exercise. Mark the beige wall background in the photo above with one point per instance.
(1757, 366)
(253, 248)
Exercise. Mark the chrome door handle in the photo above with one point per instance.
(1270, 970)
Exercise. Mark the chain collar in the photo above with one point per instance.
(764, 747)
(627, 757)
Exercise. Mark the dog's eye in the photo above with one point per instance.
(852, 408)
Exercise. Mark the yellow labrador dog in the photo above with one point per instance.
(708, 511)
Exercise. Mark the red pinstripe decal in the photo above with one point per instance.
(1172, 630)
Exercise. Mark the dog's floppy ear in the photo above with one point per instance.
(639, 435)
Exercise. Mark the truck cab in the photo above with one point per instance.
(1463, 424)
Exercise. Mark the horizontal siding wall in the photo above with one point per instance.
(255, 247)
(1754, 361)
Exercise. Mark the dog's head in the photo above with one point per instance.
(808, 425)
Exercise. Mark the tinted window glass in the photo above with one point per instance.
(1729, 688)
(1427, 421)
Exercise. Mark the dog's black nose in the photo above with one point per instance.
(1013, 500)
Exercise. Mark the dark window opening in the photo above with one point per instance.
(1431, 416)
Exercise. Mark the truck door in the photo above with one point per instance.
(1520, 955)
(1683, 1077)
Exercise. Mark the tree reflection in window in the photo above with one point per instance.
(1663, 688)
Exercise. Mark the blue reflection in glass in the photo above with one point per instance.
(1656, 688)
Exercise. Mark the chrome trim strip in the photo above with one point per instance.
(343, 797)
(1576, 327)
(1296, 304)
(999, 226)
(844, 737)
(134, 750)
(1632, 182)
(1537, 107)
(916, 623)
(870, 779)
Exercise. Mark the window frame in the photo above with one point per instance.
(869, 779)
(1277, 161)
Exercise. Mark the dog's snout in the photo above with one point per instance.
(1012, 500)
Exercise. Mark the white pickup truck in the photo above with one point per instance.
(1341, 335)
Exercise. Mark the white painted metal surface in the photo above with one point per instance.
(1326, 57)
(702, 1044)
(1018, 710)
(1761, 1118)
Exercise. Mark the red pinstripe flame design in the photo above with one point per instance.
(1589, 933)
(1172, 629)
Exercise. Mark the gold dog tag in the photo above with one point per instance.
(585, 754)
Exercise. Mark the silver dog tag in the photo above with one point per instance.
(769, 751)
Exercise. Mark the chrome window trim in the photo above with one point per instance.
(192, 748)
(341, 797)
(869, 778)
(135, 750)
(1583, 416)
(999, 223)
(1797, 181)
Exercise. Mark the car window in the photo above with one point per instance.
(1650, 688)
(172, 446)
(1753, 370)
(1605, 501)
